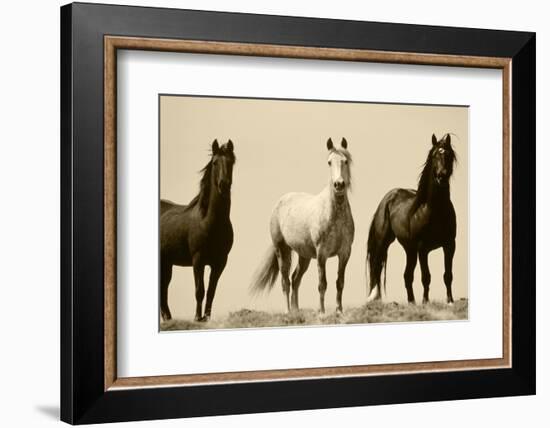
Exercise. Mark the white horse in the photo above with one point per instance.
(315, 227)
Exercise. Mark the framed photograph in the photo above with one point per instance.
(278, 213)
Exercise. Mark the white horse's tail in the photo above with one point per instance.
(266, 274)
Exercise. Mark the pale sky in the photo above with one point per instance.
(280, 148)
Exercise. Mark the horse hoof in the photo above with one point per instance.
(450, 303)
(425, 301)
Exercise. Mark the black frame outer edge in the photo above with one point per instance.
(82, 397)
(66, 367)
(524, 216)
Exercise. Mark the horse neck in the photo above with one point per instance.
(432, 195)
(336, 205)
(218, 207)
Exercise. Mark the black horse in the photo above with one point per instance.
(421, 220)
(200, 233)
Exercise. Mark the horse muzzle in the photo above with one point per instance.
(339, 186)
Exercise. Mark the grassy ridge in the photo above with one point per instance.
(375, 312)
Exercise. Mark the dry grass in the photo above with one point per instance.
(376, 312)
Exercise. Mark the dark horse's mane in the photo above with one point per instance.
(203, 197)
(426, 174)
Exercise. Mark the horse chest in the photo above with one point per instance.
(211, 242)
(335, 235)
(433, 228)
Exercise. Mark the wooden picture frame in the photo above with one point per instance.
(91, 391)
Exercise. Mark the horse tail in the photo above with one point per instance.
(266, 274)
(385, 267)
(376, 260)
(380, 237)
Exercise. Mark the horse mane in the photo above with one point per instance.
(203, 197)
(343, 152)
(426, 174)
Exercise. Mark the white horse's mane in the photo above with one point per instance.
(343, 152)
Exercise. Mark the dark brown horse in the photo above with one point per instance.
(200, 233)
(422, 220)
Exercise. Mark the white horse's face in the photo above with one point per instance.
(338, 163)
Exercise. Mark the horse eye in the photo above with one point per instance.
(330, 163)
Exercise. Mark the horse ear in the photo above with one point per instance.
(229, 145)
(434, 139)
(330, 146)
(448, 139)
(215, 147)
(344, 143)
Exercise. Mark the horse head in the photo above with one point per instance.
(223, 159)
(442, 158)
(339, 160)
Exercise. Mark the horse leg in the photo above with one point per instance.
(301, 268)
(409, 273)
(321, 261)
(283, 252)
(215, 273)
(198, 273)
(165, 277)
(342, 262)
(449, 252)
(426, 276)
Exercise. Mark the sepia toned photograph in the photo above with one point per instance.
(281, 212)
(277, 213)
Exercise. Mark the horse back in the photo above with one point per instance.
(306, 223)
(411, 223)
(184, 233)
(166, 205)
(290, 223)
(396, 205)
(175, 221)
